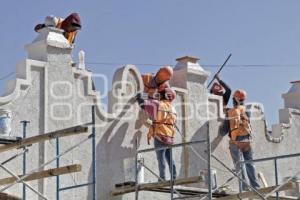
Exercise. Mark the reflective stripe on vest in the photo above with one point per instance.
(238, 126)
(164, 125)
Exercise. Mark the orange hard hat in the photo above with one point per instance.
(217, 89)
(240, 95)
(164, 74)
(169, 94)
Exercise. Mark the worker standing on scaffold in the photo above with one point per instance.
(240, 137)
(163, 115)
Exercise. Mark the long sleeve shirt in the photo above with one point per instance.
(226, 95)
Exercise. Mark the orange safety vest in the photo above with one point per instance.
(148, 88)
(70, 36)
(164, 124)
(239, 125)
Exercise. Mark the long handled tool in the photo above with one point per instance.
(219, 70)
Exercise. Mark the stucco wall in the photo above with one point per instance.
(52, 95)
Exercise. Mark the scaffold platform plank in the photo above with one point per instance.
(43, 137)
(4, 196)
(9, 139)
(149, 186)
(266, 190)
(281, 197)
(44, 174)
(189, 191)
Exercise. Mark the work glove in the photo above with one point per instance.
(138, 96)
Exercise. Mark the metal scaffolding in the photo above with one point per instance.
(171, 183)
(39, 173)
(275, 159)
(93, 182)
(168, 186)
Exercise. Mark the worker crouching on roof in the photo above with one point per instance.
(163, 115)
(240, 137)
(70, 25)
(154, 84)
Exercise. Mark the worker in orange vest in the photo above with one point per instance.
(154, 84)
(70, 25)
(240, 137)
(163, 115)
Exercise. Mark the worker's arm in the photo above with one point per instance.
(226, 95)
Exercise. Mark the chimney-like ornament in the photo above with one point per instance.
(188, 70)
(189, 62)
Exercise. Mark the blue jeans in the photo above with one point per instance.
(163, 155)
(238, 155)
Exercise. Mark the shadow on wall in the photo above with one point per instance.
(214, 142)
(111, 155)
(197, 156)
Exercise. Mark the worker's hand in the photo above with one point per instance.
(138, 96)
(140, 100)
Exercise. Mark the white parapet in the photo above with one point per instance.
(292, 97)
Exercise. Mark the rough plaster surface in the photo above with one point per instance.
(53, 95)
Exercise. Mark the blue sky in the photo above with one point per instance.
(256, 32)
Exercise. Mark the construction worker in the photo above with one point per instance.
(240, 137)
(220, 88)
(70, 25)
(163, 116)
(154, 84)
